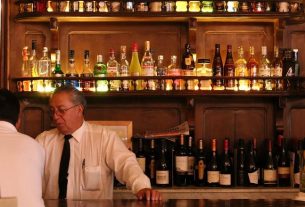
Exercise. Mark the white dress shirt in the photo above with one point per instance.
(21, 167)
(96, 153)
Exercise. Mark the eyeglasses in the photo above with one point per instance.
(60, 111)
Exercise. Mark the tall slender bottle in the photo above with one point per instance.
(162, 169)
(71, 72)
(296, 64)
(187, 62)
(151, 163)
(190, 162)
(200, 166)
(283, 166)
(270, 170)
(44, 70)
(147, 65)
(100, 70)
(217, 68)
(140, 155)
(181, 162)
(34, 65)
(277, 70)
(225, 177)
(135, 68)
(265, 70)
(124, 69)
(241, 164)
(252, 66)
(87, 85)
(251, 167)
(213, 167)
(25, 69)
(241, 70)
(113, 71)
(161, 71)
(57, 71)
(297, 164)
(229, 69)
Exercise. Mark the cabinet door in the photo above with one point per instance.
(294, 114)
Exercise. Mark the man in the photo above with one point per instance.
(94, 155)
(21, 157)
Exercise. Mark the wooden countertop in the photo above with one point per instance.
(176, 203)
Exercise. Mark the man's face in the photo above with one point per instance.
(67, 116)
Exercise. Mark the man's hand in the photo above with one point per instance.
(148, 194)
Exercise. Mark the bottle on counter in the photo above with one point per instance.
(151, 163)
(190, 162)
(181, 163)
(251, 166)
(270, 170)
(241, 164)
(162, 168)
(283, 166)
(226, 166)
(140, 155)
(200, 166)
(213, 169)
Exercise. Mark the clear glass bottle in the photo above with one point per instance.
(265, 70)
(252, 66)
(71, 72)
(34, 65)
(113, 71)
(100, 70)
(241, 70)
(87, 84)
(232, 6)
(147, 65)
(124, 69)
(44, 64)
(277, 70)
(25, 70)
(173, 70)
(161, 71)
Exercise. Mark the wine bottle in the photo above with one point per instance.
(181, 162)
(162, 169)
(213, 167)
(270, 171)
(200, 166)
(190, 162)
(283, 167)
(229, 69)
(217, 67)
(151, 163)
(140, 155)
(187, 58)
(241, 164)
(296, 164)
(225, 177)
(252, 168)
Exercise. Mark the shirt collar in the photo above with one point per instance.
(6, 126)
(78, 134)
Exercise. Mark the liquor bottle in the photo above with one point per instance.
(288, 63)
(277, 70)
(71, 72)
(241, 70)
(124, 69)
(57, 71)
(181, 160)
(200, 165)
(295, 61)
(213, 167)
(173, 70)
(34, 65)
(147, 65)
(190, 162)
(241, 164)
(187, 62)
(44, 64)
(135, 67)
(283, 166)
(252, 168)
(265, 70)
(113, 71)
(229, 69)
(151, 163)
(87, 85)
(297, 164)
(252, 66)
(162, 169)
(100, 70)
(217, 67)
(225, 177)
(140, 155)
(161, 71)
(270, 171)
(25, 70)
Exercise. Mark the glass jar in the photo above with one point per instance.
(203, 68)
(155, 6)
(142, 7)
(283, 6)
(74, 6)
(244, 6)
(258, 7)
(103, 6)
(52, 6)
(194, 6)
(64, 6)
(294, 6)
(232, 6)
(181, 6)
(220, 6)
(89, 6)
(129, 6)
(169, 6)
(115, 6)
(81, 6)
(207, 6)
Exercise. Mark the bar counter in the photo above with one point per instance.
(176, 203)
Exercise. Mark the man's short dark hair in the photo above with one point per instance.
(9, 106)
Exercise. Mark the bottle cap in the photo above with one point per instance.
(134, 47)
(111, 50)
(123, 48)
(45, 49)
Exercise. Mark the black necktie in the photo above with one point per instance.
(63, 169)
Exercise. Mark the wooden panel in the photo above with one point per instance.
(297, 41)
(236, 34)
(294, 114)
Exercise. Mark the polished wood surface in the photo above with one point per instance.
(176, 203)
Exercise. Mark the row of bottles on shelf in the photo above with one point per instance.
(160, 6)
(282, 65)
(167, 164)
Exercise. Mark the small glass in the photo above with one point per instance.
(89, 6)
(81, 6)
(232, 6)
(181, 6)
(194, 6)
(142, 7)
(203, 68)
(258, 7)
(244, 6)
(64, 6)
(75, 6)
(129, 6)
(207, 6)
(283, 6)
(169, 6)
(155, 6)
(220, 6)
(115, 6)
(103, 6)
(294, 7)
(52, 6)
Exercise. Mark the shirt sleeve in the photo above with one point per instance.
(124, 164)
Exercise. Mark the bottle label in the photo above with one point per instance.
(264, 71)
(135, 74)
(253, 177)
(269, 175)
(148, 70)
(112, 71)
(190, 165)
(253, 70)
(188, 61)
(278, 71)
(290, 72)
(152, 168)
(297, 178)
(162, 177)
(124, 70)
(283, 171)
(225, 179)
(181, 163)
(141, 162)
(201, 167)
(213, 176)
